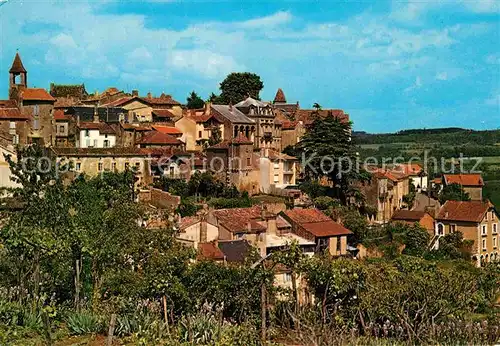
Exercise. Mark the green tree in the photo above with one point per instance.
(194, 101)
(237, 86)
(215, 137)
(328, 152)
(453, 192)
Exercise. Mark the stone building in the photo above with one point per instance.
(199, 126)
(268, 127)
(234, 162)
(478, 221)
(36, 104)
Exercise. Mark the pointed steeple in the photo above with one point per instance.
(280, 97)
(17, 65)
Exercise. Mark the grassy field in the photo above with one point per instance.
(440, 143)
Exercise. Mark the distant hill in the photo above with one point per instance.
(449, 135)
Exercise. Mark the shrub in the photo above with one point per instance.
(84, 322)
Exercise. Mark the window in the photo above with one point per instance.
(106, 143)
(484, 244)
(36, 124)
(248, 161)
(495, 228)
(495, 242)
(99, 166)
(287, 277)
(172, 171)
(36, 110)
(453, 228)
(78, 166)
(95, 142)
(87, 133)
(440, 229)
(484, 230)
(127, 165)
(199, 134)
(15, 139)
(113, 166)
(12, 125)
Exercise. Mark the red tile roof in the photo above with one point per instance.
(238, 219)
(60, 116)
(102, 127)
(408, 215)
(36, 94)
(17, 65)
(210, 251)
(170, 130)
(163, 113)
(118, 102)
(162, 100)
(468, 211)
(289, 125)
(316, 223)
(9, 111)
(156, 137)
(274, 155)
(280, 96)
(393, 175)
(464, 179)
(409, 168)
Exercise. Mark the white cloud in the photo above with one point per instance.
(276, 19)
(412, 12)
(209, 64)
(417, 85)
(442, 76)
(63, 41)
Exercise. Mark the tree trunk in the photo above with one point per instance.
(77, 283)
(111, 330)
(295, 293)
(263, 313)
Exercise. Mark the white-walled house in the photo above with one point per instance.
(5, 173)
(95, 135)
(197, 230)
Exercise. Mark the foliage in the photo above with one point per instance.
(194, 101)
(453, 246)
(215, 137)
(84, 322)
(313, 188)
(330, 154)
(325, 202)
(237, 86)
(353, 221)
(337, 283)
(415, 237)
(453, 192)
(223, 203)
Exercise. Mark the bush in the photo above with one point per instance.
(84, 322)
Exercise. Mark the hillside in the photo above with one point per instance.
(443, 144)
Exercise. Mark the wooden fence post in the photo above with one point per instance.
(111, 330)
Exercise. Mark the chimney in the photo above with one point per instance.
(96, 115)
(78, 120)
(149, 95)
(208, 105)
(203, 229)
(230, 106)
(135, 93)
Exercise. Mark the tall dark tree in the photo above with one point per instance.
(194, 101)
(328, 152)
(239, 85)
(453, 192)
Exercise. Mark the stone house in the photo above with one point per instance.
(477, 221)
(198, 126)
(268, 127)
(277, 170)
(235, 123)
(315, 226)
(234, 162)
(471, 183)
(411, 217)
(95, 161)
(14, 125)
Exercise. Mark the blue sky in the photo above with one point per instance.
(390, 64)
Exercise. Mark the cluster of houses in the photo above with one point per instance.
(243, 145)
